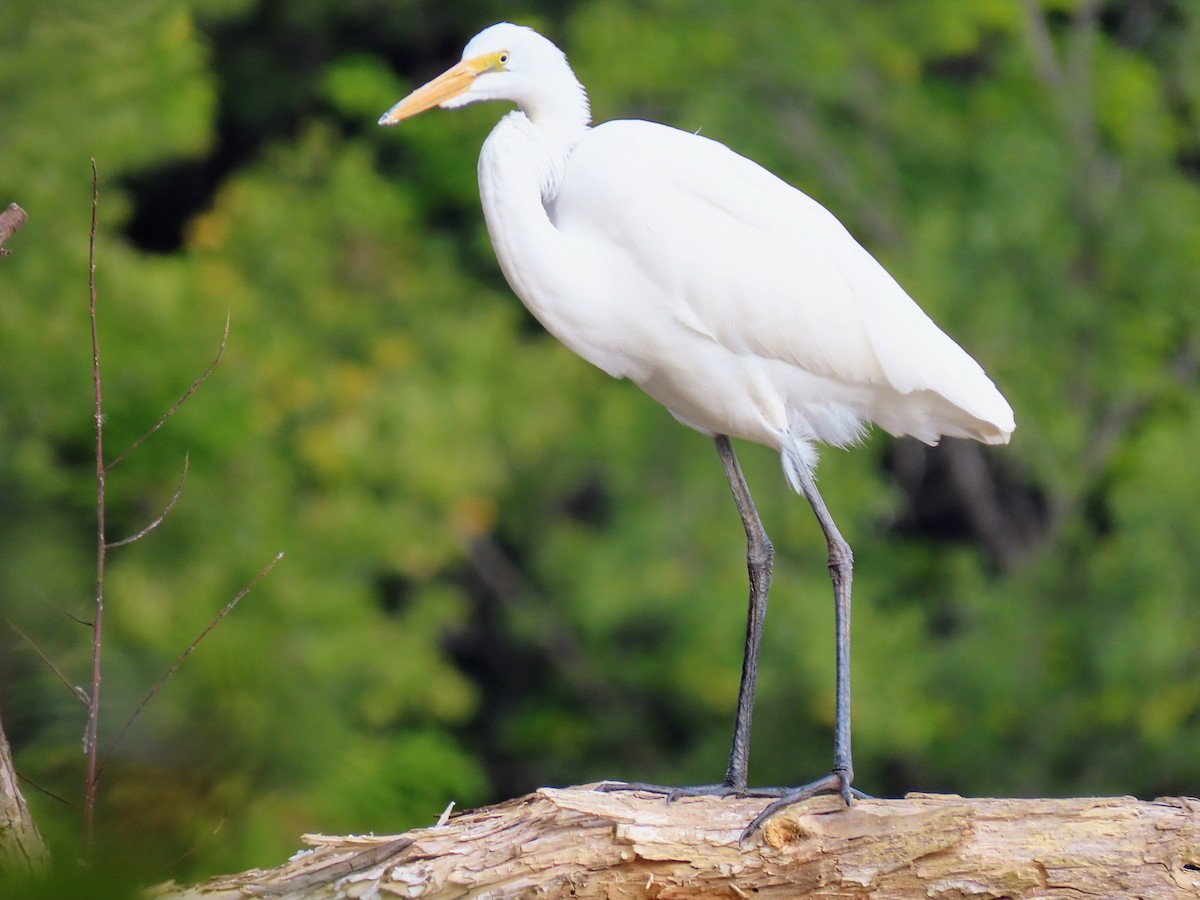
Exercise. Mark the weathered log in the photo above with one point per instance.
(580, 843)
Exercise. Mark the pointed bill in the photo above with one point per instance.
(451, 83)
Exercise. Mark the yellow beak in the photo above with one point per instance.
(449, 84)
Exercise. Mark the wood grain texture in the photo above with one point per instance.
(577, 842)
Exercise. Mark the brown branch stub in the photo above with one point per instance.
(580, 843)
(22, 851)
(11, 219)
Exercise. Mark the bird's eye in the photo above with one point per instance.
(503, 58)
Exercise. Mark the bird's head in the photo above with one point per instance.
(503, 62)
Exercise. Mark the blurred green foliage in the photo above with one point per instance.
(504, 569)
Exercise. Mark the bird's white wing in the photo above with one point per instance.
(742, 257)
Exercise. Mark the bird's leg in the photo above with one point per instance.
(841, 570)
(760, 555)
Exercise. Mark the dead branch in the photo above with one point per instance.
(91, 729)
(174, 408)
(11, 219)
(22, 851)
(189, 650)
(580, 843)
(161, 517)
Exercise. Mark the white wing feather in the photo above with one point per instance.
(761, 269)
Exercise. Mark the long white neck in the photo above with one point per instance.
(559, 105)
(520, 170)
(525, 157)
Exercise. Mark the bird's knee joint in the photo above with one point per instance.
(760, 552)
(841, 556)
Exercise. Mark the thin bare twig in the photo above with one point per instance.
(178, 403)
(191, 649)
(42, 789)
(92, 700)
(75, 689)
(1080, 51)
(93, 706)
(201, 842)
(1045, 58)
(66, 613)
(11, 219)
(158, 521)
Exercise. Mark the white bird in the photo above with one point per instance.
(736, 301)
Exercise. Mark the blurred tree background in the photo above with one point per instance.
(504, 569)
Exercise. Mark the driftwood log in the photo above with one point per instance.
(580, 843)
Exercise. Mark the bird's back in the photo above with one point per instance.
(743, 263)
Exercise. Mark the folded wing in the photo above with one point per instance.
(759, 267)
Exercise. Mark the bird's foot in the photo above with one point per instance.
(836, 782)
(703, 790)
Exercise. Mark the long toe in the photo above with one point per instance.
(703, 790)
(610, 787)
(833, 783)
(723, 790)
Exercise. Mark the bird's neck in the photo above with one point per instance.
(520, 171)
(536, 140)
(521, 168)
(559, 106)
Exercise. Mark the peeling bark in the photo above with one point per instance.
(576, 842)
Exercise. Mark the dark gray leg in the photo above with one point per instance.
(760, 555)
(841, 571)
(759, 559)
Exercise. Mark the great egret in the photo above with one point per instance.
(735, 300)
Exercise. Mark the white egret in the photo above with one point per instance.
(735, 300)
